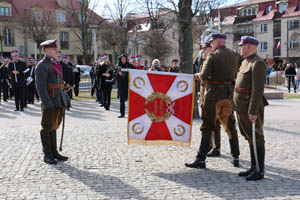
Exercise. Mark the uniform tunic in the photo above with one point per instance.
(249, 97)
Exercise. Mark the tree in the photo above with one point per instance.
(118, 12)
(37, 24)
(84, 20)
(155, 45)
(186, 10)
(155, 41)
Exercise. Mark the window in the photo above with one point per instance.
(268, 9)
(247, 29)
(249, 11)
(263, 46)
(4, 11)
(60, 17)
(293, 44)
(9, 37)
(283, 7)
(82, 18)
(293, 24)
(263, 28)
(64, 40)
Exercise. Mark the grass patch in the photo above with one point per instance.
(291, 95)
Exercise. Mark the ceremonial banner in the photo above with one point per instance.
(160, 108)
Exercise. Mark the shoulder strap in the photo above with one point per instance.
(54, 68)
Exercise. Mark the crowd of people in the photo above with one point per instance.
(17, 79)
(103, 75)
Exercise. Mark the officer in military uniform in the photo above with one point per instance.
(17, 70)
(249, 102)
(218, 72)
(174, 67)
(49, 83)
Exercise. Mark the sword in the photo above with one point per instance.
(254, 147)
(62, 132)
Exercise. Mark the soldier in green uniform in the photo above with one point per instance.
(249, 102)
(50, 85)
(219, 70)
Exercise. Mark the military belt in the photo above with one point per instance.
(220, 82)
(242, 91)
(52, 86)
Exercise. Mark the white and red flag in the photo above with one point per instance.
(160, 108)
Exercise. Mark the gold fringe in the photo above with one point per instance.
(158, 142)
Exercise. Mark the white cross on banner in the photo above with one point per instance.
(160, 108)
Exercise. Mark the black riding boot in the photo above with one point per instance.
(55, 153)
(257, 175)
(252, 168)
(217, 138)
(199, 162)
(46, 143)
(235, 149)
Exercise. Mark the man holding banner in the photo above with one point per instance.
(219, 70)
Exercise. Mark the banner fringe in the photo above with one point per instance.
(158, 142)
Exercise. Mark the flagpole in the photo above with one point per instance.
(156, 72)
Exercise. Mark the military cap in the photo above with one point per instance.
(249, 40)
(22, 58)
(139, 57)
(205, 44)
(6, 59)
(14, 53)
(30, 59)
(122, 55)
(214, 36)
(59, 54)
(175, 60)
(132, 58)
(104, 56)
(49, 44)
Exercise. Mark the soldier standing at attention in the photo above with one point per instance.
(16, 69)
(49, 83)
(249, 103)
(218, 72)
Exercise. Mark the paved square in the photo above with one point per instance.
(103, 166)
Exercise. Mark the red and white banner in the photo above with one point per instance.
(160, 108)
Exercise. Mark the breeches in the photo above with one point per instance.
(51, 119)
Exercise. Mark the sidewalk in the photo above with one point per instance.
(103, 166)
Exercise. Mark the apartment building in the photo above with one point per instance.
(66, 30)
(274, 23)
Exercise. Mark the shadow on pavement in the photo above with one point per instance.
(107, 185)
(229, 182)
(281, 131)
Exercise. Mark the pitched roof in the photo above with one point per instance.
(19, 6)
(229, 20)
(292, 9)
(247, 3)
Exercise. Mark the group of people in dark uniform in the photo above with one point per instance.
(17, 79)
(232, 82)
(103, 75)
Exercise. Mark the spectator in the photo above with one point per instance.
(156, 66)
(297, 76)
(290, 74)
(269, 69)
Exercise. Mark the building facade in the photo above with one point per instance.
(274, 23)
(66, 32)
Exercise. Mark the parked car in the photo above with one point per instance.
(85, 71)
